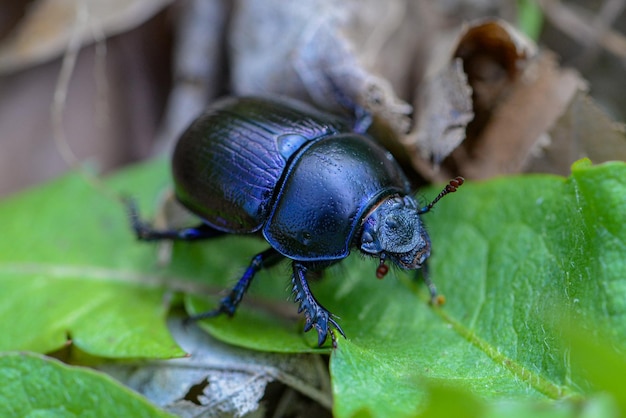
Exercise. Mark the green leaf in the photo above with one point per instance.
(530, 18)
(70, 269)
(34, 385)
(602, 367)
(515, 258)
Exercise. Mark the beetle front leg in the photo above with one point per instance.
(228, 305)
(316, 315)
(435, 298)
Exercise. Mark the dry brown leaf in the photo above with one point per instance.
(317, 47)
(584, 130)
(198, 66)
(592, 131)
(217, 379)
(530, 114)
(443, 110)
(381, 55)
(47, 29)
(493, 56)
(112, 105)
(521, 121)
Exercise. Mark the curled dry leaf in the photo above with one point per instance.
(308, 49)
(494, 56)
(443, 111)
(453, 101)
(47, 29)
(517, 128)
(522, 104)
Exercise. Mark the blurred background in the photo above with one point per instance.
(109, 82)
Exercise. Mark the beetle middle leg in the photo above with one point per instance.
(228, 304)
(316, 315)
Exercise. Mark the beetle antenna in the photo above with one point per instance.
(451, 187)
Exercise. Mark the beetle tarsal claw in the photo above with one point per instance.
(336, 326)
(323, 329)
(316, 315)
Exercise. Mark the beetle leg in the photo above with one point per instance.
(316, 315)
(361, 118)
(435, 299)
(145, 232)
(228, 305)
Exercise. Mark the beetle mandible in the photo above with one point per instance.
(313, 184)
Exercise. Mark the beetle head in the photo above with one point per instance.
(394, 230)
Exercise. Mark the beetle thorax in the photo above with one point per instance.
(394, 230)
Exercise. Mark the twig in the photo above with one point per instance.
(584, 28)
(62, 86)
(61, 90)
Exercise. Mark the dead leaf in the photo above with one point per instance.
(584, 130)
(520, 122)
(443, 110)
(494, 56)
(313, 50)
(45, 32)
(454, 101)
(525, 106)
(218, 378)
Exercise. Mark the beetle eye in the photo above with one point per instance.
(392, 223)
(306, 238)
(396, 202)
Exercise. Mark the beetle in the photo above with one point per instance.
(313, 184)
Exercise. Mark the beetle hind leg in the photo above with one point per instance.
(316, 315)
(228, 304)
(145, 232)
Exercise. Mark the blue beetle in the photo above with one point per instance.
(314, 185)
